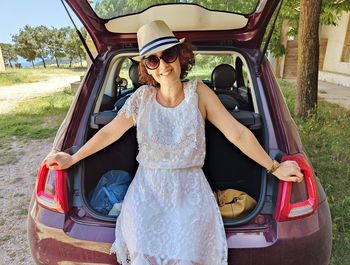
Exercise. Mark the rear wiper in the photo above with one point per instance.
(79, 34)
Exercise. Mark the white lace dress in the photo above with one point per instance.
(169, 214)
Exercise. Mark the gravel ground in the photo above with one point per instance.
(17, 180)
(16, 186)
(10, 96)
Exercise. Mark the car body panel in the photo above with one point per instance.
(54, 245)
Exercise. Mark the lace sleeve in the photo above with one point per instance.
(132, 105)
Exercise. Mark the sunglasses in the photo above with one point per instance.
(170, 55)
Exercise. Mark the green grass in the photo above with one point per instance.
(14, 76)
(326, 138)
(34, 119)
(4, 238)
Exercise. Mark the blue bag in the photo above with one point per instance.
(110, 189)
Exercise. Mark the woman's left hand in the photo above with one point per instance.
(289, 171)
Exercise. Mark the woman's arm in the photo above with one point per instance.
(104, 137)
(242, 137)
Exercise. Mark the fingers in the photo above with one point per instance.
(290, 171)
(57, 161)
(294, 179)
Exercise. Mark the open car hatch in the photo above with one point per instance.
(244, 26)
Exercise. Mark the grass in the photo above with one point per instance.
(34, 119)
(16, 77)
(29, 75)
(326, 138)
(22, 212)
(4, 238)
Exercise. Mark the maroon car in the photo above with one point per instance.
(291, 222)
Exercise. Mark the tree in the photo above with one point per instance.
(25, 44)
(298, 15)
(112, 8)
(72, 46)
(308, 58)
(56, 43)
(330, 13)
(32, 42)
(41, 35)
(9, 53)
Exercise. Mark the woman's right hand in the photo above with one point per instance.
(59, 160)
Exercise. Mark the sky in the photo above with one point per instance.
(15, 14)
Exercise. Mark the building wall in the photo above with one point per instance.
(336, 37)
(2, 65)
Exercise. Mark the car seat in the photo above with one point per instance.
(223, 78)
(134, 76)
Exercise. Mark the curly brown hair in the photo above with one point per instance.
(186, 57)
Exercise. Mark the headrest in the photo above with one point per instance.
(134, 74)
(223, 76)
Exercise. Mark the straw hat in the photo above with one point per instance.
(153, 37)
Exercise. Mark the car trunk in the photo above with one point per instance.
(225, 165)
(240, 25)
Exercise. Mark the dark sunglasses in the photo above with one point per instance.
(170, 55)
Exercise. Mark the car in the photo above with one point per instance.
(291, 222)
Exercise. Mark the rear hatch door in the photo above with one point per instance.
(113, 24)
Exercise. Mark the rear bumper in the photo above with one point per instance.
(307, 241)
(53, 244)
(311, 243)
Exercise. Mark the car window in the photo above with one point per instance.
(124, 71)
(108, 9)
(206, 63)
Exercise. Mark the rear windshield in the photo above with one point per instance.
(113, 8)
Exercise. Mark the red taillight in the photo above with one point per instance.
(51, 189)
(285, 209)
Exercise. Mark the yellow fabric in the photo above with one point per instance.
(234, 203)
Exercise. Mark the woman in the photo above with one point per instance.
(162, 219)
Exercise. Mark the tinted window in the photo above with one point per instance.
(114, 8)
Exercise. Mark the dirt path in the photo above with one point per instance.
(335, 94)
(11, 96)
(16, 186)
(17, 180)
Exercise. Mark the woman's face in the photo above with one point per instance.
(168, 71)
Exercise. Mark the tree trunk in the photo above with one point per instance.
(10, 64)
(58, 66)
(70, 62)
(308, 58)
(81, 61)
(43, 60)
(33, 64)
